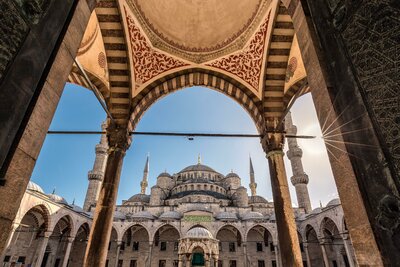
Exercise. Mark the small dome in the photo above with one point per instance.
(199, 232)
(232, 175)
(119, 215)
(34, 187)
(76, 208)
(253, 215)
(57, 199)
(257, 199)
(333, 202)
(197, 167)
(142, 215)
(164, 174)
(316, 211)
(139, 198)
(226, 216)
(171, 215)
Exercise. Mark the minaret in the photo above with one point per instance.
(299, 178)
(253, 184)
(96, 175)
(144, 183)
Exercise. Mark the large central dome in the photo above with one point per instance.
(198, 167)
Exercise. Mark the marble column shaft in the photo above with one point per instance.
(324, 255)
(42, 249)
(307, 254)
(347, 247)
(290, 253)
(99, 238)
(67, 251)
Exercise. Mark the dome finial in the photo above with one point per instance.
(54, 191)
(199, 159)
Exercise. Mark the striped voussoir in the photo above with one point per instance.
(296, 90)
(111, 26)
(77, 77)
(276, 65)
(197, 77)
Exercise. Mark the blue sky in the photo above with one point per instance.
(65, 159)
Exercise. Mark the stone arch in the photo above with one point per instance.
(313, 246)
(230, 225)
(76, 77)
(270, 229)
(260, 244)
(79, 245)
(43, 209)
(168, 224)
(61, 215)
(328, 223)
(60, 233)
(128, 226)
(197, 77)
(298, 89)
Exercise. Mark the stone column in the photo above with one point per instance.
(216, 261)
(67, 251)
(287, 230)
(8, 243)
(150, 253)
(188, 260)
(347, 247)
(119, 243)
(305, 245)
(96, 251)
(42, 249)
(245, 254)
(180, 263)
(278, 256)
(324, 255)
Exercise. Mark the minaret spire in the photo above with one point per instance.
(299, 178)
(144, 183)
(96, 175)
(199, 159)
(253, 184)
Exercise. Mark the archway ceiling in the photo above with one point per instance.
(249, 43)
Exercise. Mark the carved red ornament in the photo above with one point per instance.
(147, 62)
(247, 63)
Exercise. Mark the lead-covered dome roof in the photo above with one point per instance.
(139, 198)
(226, 216)
(34, 187)
(58, 199)
(197, 167)
(199, 232)
(257, 199)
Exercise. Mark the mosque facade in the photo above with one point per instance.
(195, 217)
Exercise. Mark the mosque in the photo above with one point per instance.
(195, 217)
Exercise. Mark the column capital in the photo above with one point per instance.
(71, 239)
(118, 138)
(272, 142)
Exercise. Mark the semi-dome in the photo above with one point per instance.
(232, 175)
(197, 167)
(257, 199)
(34, 187)
(199, 232)
(143, 215)
(171, 215)
(333, 202)
(139, 198)
(58, 199)
(252, 215)
(226, 216)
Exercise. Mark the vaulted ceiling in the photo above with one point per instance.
(136, 51)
